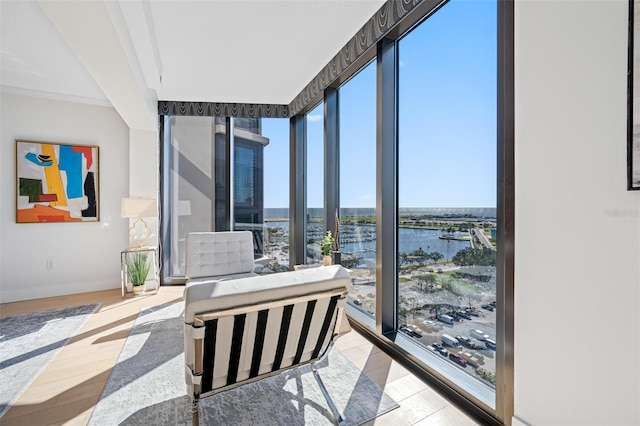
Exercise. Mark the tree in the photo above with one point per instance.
(426, 280)
(436, 309)
(473, 256)
(436, 256)
(420, 255)
(402, 259)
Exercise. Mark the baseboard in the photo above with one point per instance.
(53, 290)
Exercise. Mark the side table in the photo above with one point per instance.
(155, 270)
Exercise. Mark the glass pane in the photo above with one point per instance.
(357, 231)
(248, 200)
(276, 194)
(315, 183)
(192, 184)
(447, 187)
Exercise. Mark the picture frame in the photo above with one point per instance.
(633, 98)
(56, 182)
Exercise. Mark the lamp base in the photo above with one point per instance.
(140, 232)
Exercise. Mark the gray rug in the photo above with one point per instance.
(29, 342)
(147, 386)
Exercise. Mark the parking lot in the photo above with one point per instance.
(432, 330)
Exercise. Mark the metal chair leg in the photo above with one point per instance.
(195, 415)
(332, 405)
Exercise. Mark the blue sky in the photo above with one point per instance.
(446, 121)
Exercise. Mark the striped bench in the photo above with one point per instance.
(242, 330)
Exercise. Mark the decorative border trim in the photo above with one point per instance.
(375, 29)
(215, 109)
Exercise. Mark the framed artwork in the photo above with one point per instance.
(633, 131)
(56, 182)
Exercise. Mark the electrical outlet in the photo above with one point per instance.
(51, 263)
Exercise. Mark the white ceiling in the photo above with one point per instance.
(121, 52)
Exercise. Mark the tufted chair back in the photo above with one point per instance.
(211, 254)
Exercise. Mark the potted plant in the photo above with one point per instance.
(326, 245)
(336, 256)
(137, 270)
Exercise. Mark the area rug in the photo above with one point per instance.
(29, 342)
(147, 386)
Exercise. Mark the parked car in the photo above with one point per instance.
(432, 324)
(475, 344)
(464, 340)
(473, 312)
(487, 307)
(490, 344)
(471, 360)
(463, 314)
(415, 329)
(457, 358)
(450, 341)
(440, 349)
(410, 333)
(357, 302)
(479, 334)
(478, 355)
(447, 319)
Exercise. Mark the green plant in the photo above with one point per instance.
(137, 268)
(327, 244)
(336, 244)
(486, 375)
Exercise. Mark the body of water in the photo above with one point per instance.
(360, 240)
(409, 240)
(479, 212)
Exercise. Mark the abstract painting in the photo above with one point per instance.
(56, 182)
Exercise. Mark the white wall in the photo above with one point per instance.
(144, 177)
(87, 255)
(577, 266)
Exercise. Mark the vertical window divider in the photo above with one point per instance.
(228, 191)
(165, 206)
(505, 212)
(331, 157)
(297, 190)
(386, 186)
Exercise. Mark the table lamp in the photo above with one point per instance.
(139, 208)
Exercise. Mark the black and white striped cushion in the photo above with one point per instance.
(243, 346)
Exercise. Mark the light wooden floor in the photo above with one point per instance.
(68, 389)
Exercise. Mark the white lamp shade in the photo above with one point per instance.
(139, 207)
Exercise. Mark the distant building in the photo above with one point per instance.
(248, 170)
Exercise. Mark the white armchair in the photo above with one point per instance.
(219, 256)
(241, 330)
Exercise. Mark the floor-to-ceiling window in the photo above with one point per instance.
(315, 228)
(357, 230)
(447, 180)
(189, 152)
(418, 190)
(276, 194)
(248, 179)
(207, 189)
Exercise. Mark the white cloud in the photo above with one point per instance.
(314, 117)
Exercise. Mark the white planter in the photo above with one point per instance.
(139, 289)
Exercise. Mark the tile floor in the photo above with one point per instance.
(68, 389)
